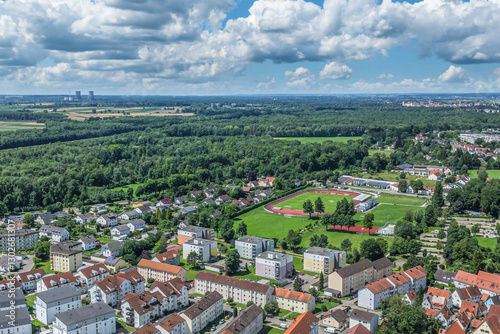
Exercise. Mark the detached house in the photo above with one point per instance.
(84, 218)
(112, 249)
(88, 243)
(129, 215)
(44, 218)
(181, 200)
(136, 225)
(54, 233)
(222, 199)
(164, 204)
(143, 209)
(107, 220)
(170, 257)
(119, 231)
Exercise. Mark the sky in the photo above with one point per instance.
(224, 47)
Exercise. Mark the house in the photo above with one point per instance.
(89, 275)
(248, 321)
(50, 303)
(336, 318)
(274, 265)
(188, 209)
(444, 277)
(191, 232)
(435, 175)
(29, 279)
(205, 249)
(444, 316)
(164, 204)
(410, 297)
(88, 242)
(437, 299)
(306, 323)
(249, 247)
(107, 220)
(470, 294)
(172, 324)
(216, 214)
(136, 225)
(113, 288)
(367, 319)
(175, 292)
(8, 284)
(55, 281)
(170, 257)
(264, 183)
(240, 290)
(195, 193)
(12, 300)
(99, 208)
(120, 230)
(54, 233)
(180, 200)
(294, 300)
(44, 218)
(114, 263)
(22, 322)
(23, 240)
(203, 312)
(143, 209)
(129, 215)
(358, 329)
(8, 263)
(323, 260)
(66, 256)
(253, 184)
(93, 318)
(160, 271)
(84, 218)
(486, 282)
(210, 192)
(112, 249)
(222, 199)
(209, 201)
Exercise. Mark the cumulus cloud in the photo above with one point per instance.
(301, 77)
(335, 71)
(385, 76)
(267, 83)
(454, 74)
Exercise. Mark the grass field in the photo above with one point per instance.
(487, 242)
(306, 140)
(334, 238)
(30, 300)
(386, 213)
(329, 200)
(124, 188)
(271, 330)
(492, 174)
(7, 126)
(399, 199)
(372, 152)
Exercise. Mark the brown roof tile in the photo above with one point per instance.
(165, 267)
(225, 280)
(203, 304)
(171, 321)
(303, 324)
(294, 295)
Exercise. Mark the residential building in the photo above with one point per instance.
(160, 271)
(24, 239)
(306, 323)
(240, 290)
(29, 279)
(470, 294)
(336, 318)
(107, 220)
(250, 247)
(437, 299)
(274, 265)
(50, 303)
(486, 282)
(180, 200)
(351, 278)
(367, 319)
(55, 281)
(112, 289)
(112, 249)
(66, 256)
(88, 242)
(89, 275)
(248, 321)
(136, 225)
(120, 230)
(174, 290)
(191, 232)
(170, 257)
(205, 249)
(44, 218)
(90, 319)
(443, 315)
(294, 300)
(129, 215)
(164, 204)
(358, 329)
(17, 298)
(22, 322)
(173, 324)
(444, 277)
(84, 218)
(114, 263)
(9, 264)
(200, 314)
(142, 209)
(323, 260)
(8, 284)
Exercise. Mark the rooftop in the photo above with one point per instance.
(304, 323)
(354, 268)
(242, 320)
(231, 281)
(88, 312)
(159, 266)
(252, 240)
(362, 315)
(294, 295)
(66, 248)
(321, 251)
(202, 305)
(61, 293)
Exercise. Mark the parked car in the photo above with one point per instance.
(222, 321)
(315, 276)
(270, 315)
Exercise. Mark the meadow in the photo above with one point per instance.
(487, 242)
(306, 140)
(7, 126)
(329, 200)
(492, 174)
(400, 199)
(134, 186)
(385, 213)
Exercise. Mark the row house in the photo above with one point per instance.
(29, 279)
(89, 275)
(112, 289)
(55, 281)
(172, 324)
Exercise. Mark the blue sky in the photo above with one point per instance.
(245, 47)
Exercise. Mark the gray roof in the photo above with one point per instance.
(193, 228)
(88, 239)
(88, 312)
(68, 247)
(276, 257)
(47, 217)
(242, 320)
(321, 251)
(202, 305)
(444, 276)
(22, 318)
(18, 233)
(137, 222)
(354, 268)
(382, 263)
(362, 315)
(252, 240)
(51, 229)
(121, 228)
(131, 213)
(339, 315)
(64, 292)
(5, 299)
(114, 246)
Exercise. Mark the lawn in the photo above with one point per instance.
(37, 323)
(124, 188)
(30, 300)
(329, 200)
(282, 313)
(306, 140)
(104, 240)
(372, 152)
(334, 238)
(292, 315)
(492, 174)
(45, 265)
(487, 242)
(122, 323)
(271, 330)
(399, 199)
(329, 306)
(385, 213)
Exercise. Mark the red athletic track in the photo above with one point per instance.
(294, 212)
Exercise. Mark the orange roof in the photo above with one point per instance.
(494, 311)
(95, 270)
(165, 267)
(399, 279)
(290, 294)
(485, 297)
(148, 328)
(379, 286)
(23, 277)
(465, 277)
(411, 295)
(416, 272)
(439, 292)
(431, 313)
(168, 255)
(455, 329)
(171, 321)
(476, 323)
(358, 329)
(469, 307)
(303, 323)
(494, 324)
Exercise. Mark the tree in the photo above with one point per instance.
(418, 216)
(29, 220)
(270, 308)
(319, 241)
(355, 255)
(242, 229)
(232, 262)
(402, 186)
(437, 197)
(192, 259)
(235, 312)
(482, 174)
(308, 207)
(371, 250)
(475, 228)
(346, 245)
(151, 280)
(368, 221)
(293, 239)
(297, 284)
(400, 317)
(226, 230)
(441, 234)
(319, 207)
(43, 248)
(321, 284)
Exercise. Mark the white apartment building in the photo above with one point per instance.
(91, 319)
(203, 247)
(203, 312)
(54, 233)
(249, 247)
(112, 289)
(50, 303)
(29, 279)
(89, 275)
(324, 260)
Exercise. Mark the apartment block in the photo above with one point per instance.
(24, 239)
(161, 272)
(324, 260)
(66, 256)
(91, 319)
(50, 303)
(172, 324)
(191, 232)
(29, 279)
(250, 247)
(113, 288)
(55, 281)
(89, 275)
(248, 321)
(203, 312)
(294, 300)
(205, 249)
(274, 265)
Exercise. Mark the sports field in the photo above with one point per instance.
(329, 200)
(400, 199)
(386, 213)
(492, 174)
(305, 140)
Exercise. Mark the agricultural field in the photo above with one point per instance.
(8, 126)
(492, 174)
(305, 140)
(400, 199)
(329, 200)
(82, 113)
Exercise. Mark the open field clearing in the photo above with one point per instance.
(329, 200)
(4, 126)
(80, 116)
(492, 174)
(306, 140)
(400, 199)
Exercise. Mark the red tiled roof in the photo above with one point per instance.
(68, 276)
(416, 272)
(23, 277)
(171, 321)
(358, 329)
(494, 324)
(303, 324)
(231, 281)
(165, 267)
(294, 295)
(88, 271)
(455, 329)
(148, 328)
(439, 292)
(379, 286)
(168, 255)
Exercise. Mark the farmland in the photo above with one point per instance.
(306, 140)
(7, 126)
